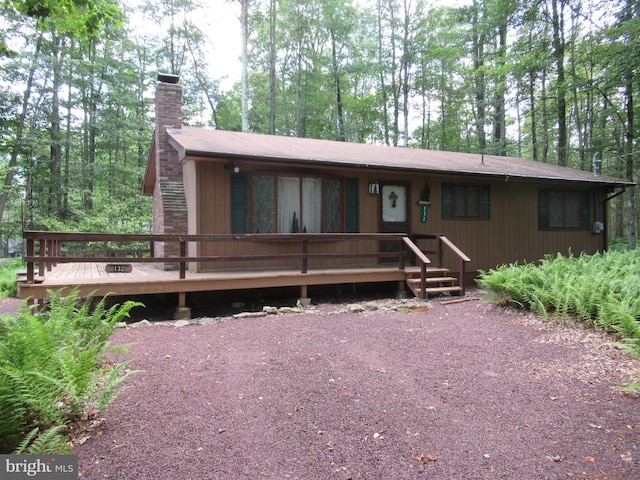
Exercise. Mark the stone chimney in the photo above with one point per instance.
(169, 201)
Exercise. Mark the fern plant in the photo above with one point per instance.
(52, 366)
(602, 290)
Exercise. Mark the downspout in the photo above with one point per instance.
(606, 224)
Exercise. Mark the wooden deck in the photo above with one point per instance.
(64, 262)
(93, 279)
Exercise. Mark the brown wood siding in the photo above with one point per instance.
(510, 235)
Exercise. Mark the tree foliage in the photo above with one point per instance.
(551, 80)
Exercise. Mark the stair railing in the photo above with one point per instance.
(441, 242)
(462, 258)
(423, 260)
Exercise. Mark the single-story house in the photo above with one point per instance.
(494, 209)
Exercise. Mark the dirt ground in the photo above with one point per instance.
(412, 390)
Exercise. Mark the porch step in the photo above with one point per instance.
(435, 285)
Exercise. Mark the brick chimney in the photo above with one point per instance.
(169, 201)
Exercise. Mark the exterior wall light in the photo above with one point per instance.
(234, 168)
(374, 188)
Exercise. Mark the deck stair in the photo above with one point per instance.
(438, 282)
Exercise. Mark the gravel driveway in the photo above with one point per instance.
(463, 390)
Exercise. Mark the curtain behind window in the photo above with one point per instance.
(289, 205)
(311, 205)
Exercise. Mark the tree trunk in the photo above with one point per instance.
(559, 51)
(383, 88)
(545, 118)
(272, 67)
(479, 77)
(499, 120)
(341, 135)
(55, 165)
(631, 199)
(406, 59)
(244, 87)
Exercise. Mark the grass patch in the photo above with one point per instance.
(52, 369)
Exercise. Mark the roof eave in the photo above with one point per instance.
(186, 153)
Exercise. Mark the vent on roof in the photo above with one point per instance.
(597, 164)
(168, 78)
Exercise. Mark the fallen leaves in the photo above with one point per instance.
(426, 458)
(626, 457)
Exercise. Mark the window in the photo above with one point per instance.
(291, 204)
(559, 209)
(466, 201)
(263, 190)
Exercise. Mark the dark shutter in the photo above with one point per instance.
(543, 210)
(585, 210)
(447, 201)
(239, 203)
(485, 202)
(352, 207)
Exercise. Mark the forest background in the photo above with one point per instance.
(554, 81)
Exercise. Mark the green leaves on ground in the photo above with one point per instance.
(52, 369)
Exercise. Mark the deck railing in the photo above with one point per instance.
(46, 249)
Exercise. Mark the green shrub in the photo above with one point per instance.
(8, 271)
(52, 368)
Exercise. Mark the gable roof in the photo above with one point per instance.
(204, 143)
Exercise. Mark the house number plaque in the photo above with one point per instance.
(118, 268)
(424, 210)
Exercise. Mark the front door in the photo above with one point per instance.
(394, 198)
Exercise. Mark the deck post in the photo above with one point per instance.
(31, 271)
(183, 263)
(57, 250)
(182, 312)
(43, 255)
(305, 259)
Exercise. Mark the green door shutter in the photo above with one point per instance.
(239, 203)
(352, 208)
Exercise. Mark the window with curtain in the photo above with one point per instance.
(332, 206)
(291, 204)
(466, 201)
(263, 191)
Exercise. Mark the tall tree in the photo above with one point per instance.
(20, 127)
(244, 27)
(557, 19)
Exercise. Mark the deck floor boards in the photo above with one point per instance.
(92, 278)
